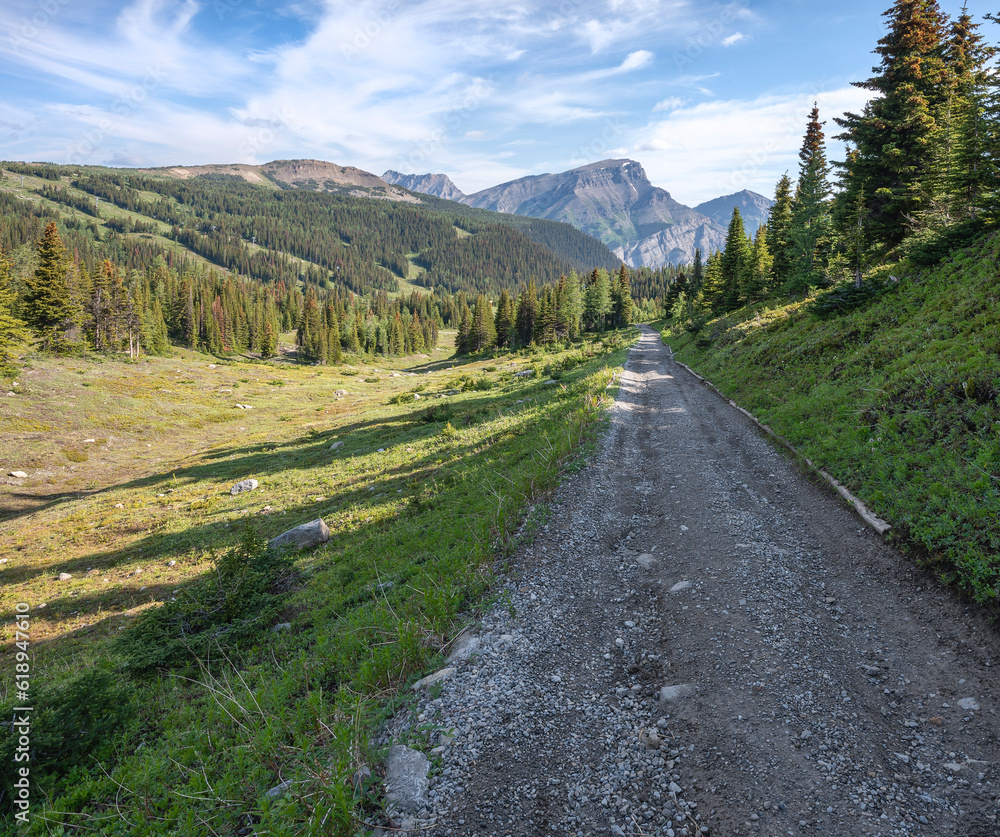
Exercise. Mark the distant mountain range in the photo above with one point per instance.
(438, 185)
(614, 202)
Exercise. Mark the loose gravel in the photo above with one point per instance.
(704, 640)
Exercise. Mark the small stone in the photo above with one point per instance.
(674, 788)
(953, 766)
(680, 585)
(64, 576)
(431, 679)
(336, 446)
(305, 536)
(19, 475)
(937, 720)
(668, 693)
(684, 528)
(119, 505)
(279, 790)
(406, 782)
(243, 485)
(969, 704)
(282, 626)
(647, 561)
(171, 563)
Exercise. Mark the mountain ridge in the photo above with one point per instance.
(613, 201)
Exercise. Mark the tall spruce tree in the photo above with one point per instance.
(48, 303)
(779, 228)
(505, 320)
(894, 134)
(811, 225)
(731, 263)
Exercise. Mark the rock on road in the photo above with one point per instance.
(701, 639)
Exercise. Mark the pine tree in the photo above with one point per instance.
(894, 134)
(971, 175)
(482, 335)
(731, 263)
(13, 331)
(756, 269)
(779, 228)
(571, 306)
(505, 320)
(597, 301)
(527, 309)
(697, 272)
(48, 304)
(623, 303)
(811, 225)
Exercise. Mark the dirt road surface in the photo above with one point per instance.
(816, 682)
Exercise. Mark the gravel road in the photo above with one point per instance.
(822, 685)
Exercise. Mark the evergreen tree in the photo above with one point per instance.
(505, 320)
(571, 304)
(971, 177)
(48, 304)
(811, 219)
(463, 338)
(779, 229)
(756, 269)
(894, 134)
(13, 331)
(482, 335)
(597, 301)
(527, 309)
(697, 272)
(731, 263)
(622, 298)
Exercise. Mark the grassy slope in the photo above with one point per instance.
(898, 400)
(129, 469)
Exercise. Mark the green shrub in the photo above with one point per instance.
(225, 609)
(73, 725)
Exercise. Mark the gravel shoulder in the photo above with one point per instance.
(824, 686)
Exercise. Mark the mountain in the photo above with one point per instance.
(438, 185)
(613, 201)
(314, 175)
(754, 208)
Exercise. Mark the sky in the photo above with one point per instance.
(710, 98)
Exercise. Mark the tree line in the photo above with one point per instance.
(921, 175)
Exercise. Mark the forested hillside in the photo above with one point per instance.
(218, 263)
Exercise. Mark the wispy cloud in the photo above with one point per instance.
(722, 147)
(735, 38)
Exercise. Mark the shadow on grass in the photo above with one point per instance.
(403, 480)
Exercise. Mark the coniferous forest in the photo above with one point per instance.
(126, 261)
(920, 179)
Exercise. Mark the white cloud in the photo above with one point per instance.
(635, 60)
(670, 103)
(735, 38)
(721, 147)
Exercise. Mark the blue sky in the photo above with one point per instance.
(709, 97)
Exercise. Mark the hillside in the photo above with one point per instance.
(286, 221)
(895, 391)
(613, 201)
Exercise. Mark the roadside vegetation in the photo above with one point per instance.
(896, 395)
(184, 670)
